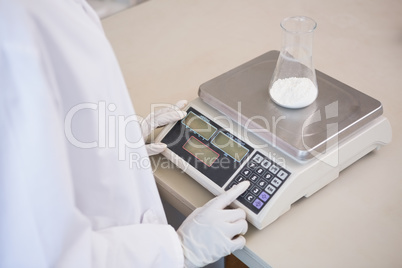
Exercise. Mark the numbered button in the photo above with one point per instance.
(246, 172)
(268, 176)
(254, 178)
(262, 183)
(240, 178)
(252, 165)
(255, 190)
(260, 170)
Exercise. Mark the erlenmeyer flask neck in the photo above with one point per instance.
(298, 25)
(298, 34)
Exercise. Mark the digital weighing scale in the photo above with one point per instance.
(234, 132)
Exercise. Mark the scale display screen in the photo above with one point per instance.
(199, 126)
(229, 146)
(200, 151)
(208, 147)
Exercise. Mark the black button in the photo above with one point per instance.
(260, 170)
(262, 183)
(268, 176)
(255, 190)
(254, 178)
(240, 178)
(250, 198)
(246, 172)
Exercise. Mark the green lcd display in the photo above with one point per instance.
(229, 146)
(200, 151)
(199, 126)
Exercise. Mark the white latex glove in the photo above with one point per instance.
(160, 118)
(212, 232)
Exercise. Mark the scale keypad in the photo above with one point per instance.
(265, 176)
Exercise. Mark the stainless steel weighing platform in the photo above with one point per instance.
(242, 94)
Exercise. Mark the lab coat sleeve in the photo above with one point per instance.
(115, 246)
(40, 223)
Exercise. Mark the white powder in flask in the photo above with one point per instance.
(293, 92)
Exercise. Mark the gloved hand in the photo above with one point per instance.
(212, 231)
(161, 117)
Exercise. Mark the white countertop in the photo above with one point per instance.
(167, 48)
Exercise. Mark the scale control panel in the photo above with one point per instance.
(265, 177)
(220, 159)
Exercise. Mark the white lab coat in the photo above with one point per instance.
(62, 205)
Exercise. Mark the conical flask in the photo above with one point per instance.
(294, 83)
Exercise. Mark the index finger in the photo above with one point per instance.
(230, 195)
